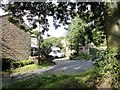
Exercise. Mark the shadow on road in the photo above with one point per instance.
(64, 66)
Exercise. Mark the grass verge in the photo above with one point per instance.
(55, 81)
(27, 68)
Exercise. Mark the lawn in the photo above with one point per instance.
(55, 81)
(27, 68)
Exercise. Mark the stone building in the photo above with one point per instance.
(15, 42)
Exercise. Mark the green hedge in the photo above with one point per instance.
(7, 63)
(21, 63)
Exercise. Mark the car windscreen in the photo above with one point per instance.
(58, 51)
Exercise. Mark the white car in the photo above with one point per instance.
(57, 53)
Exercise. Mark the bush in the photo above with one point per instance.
(109, 67)
(17, 64)
(85, 56)
(6, 63)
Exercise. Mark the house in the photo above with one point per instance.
(15, 42)
(34, 46)
(82, 49)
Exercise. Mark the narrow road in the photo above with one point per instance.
(66, 66)
(62, 66)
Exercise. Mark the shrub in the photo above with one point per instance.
(6, 63)
(17, 64)
(109, 67)
(85, 56)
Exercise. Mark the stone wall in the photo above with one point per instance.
(15, 42)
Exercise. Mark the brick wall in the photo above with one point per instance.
(15, 42)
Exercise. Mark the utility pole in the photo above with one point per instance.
(39, 42)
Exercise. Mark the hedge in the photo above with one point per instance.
(9, 63)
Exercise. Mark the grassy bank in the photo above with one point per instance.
(27, 68)
(83, 80)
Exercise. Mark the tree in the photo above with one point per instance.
(56, 42)
(76, 34)
(113, 25)
(45, 47)
(87, 26)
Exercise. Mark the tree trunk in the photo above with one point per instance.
(77, 50)
(113, 25)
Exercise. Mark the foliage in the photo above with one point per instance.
(82, 56)
(27, 68)
(31, 67)
(45, 47)
(92, 51)
(85, 56)
(21, 63)
(56, 42)
(55, 81)
(36, 33)
(6, 63)
(76, 34)
(109, 67)
(80, 32)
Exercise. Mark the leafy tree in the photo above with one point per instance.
(58, 42)
(45, 47)
(46, 44)
(55, 41)
(84, 29)
(76, 34)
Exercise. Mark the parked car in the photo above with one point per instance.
(56, 52)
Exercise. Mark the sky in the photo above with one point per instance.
(2, 12)
(60, 31)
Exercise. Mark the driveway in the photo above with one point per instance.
(64, 65)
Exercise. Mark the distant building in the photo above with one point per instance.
(34, 46)
(82, 49)
(15, 42)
